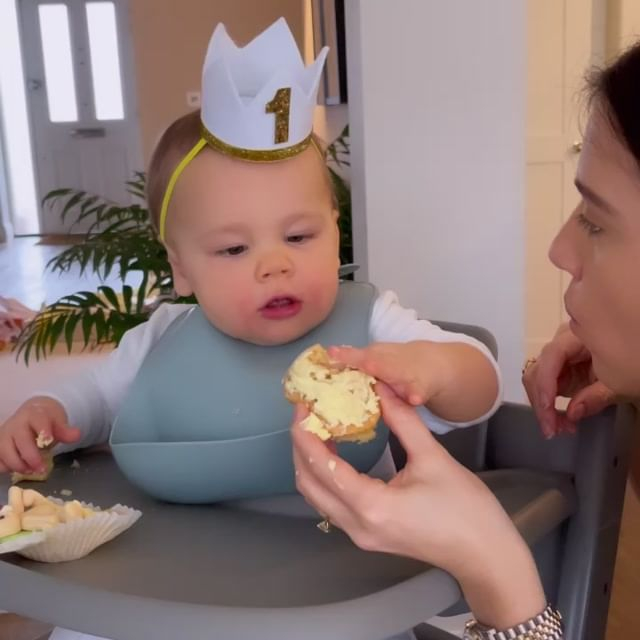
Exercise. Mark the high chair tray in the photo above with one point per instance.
(230, 573)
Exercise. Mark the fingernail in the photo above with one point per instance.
(547, 432)
(578, 412)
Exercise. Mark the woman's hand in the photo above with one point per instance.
(433, 510)
(424, 512)
(564, 369)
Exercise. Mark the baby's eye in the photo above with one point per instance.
(236, 250)
(297, 238)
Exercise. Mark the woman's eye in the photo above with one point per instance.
(589, 227)
(236, 250)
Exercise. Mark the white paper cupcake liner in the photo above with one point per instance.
(74, 540)
(13, 544)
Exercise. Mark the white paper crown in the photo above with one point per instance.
(259, 97)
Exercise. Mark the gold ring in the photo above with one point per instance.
(527, 364)
(324, 525)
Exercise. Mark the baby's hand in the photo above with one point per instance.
(38, 417)
(399, 365)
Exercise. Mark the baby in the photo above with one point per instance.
(242, 200)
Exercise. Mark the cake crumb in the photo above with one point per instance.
(43, 440)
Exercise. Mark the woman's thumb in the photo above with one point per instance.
(403, 421)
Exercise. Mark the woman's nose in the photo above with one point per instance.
(564, 252)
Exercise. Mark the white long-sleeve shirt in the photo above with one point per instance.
(93, 398)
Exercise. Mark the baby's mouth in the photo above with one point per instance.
(281, 307)
(280, 302)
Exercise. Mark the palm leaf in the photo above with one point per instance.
(101, 320)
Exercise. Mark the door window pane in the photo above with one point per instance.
(58, 62)
(105, 60)
(14, 124)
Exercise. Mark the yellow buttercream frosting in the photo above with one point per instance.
(313, 424)
(337, 397)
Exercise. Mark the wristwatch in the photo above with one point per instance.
(545, 626)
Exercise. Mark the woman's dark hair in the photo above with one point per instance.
(616, 89)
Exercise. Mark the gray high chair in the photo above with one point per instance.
(265, 571)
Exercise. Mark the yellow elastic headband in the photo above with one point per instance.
(207, 138)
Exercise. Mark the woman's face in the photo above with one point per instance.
(599, 246)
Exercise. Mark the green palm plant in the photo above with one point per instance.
(121, 240)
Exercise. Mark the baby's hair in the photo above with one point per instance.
(174, 144)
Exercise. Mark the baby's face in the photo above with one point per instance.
(257, 243)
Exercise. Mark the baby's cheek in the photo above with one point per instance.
(244, 305)
(226, 302)
(323, 291)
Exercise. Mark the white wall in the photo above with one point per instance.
(436, 91)
(6, 228)
(629, 24)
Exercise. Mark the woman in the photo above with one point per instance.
(595, 359)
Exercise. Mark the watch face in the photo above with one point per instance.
(471, 632)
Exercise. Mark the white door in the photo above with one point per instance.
(80, 94)
(564, 38)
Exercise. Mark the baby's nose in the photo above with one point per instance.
(274, 265)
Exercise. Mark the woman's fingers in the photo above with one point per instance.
(330, 484)
(540, 381)
(402, 419)
(321, 498)
(589, 401)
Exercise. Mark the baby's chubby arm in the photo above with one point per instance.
(88, 401)
(453, 375)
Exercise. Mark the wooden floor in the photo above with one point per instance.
(22, 276)
(15, 628)
(625, 595)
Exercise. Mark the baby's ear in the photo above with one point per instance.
(180, 282)
(336, 215)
